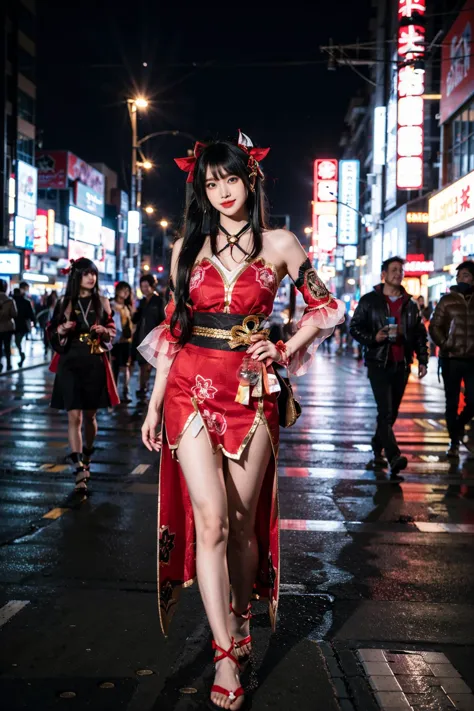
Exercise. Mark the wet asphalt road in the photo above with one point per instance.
(365, 563)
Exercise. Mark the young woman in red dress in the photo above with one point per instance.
(213, 411)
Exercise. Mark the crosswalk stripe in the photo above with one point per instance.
(11, 608)
(140, 469)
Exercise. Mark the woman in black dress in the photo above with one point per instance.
(81, 332)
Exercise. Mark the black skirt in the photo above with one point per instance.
(80, 382)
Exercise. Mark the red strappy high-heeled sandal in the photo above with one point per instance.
(247, 615)
(232, 695)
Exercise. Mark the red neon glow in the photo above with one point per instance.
(324, 237)
(411, 86)
(407, 8)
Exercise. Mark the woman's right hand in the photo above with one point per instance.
(151, 429)
(66, 327)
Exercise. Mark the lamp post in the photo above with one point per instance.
(136, 182)
(163, 224)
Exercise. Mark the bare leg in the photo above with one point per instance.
(243, 483)
(126, 378)
(90, 427)
(204, 477)
(74, 418)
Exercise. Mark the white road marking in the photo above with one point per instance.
(10, 609)
(140, 469)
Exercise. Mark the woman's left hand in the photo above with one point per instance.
(264, 350)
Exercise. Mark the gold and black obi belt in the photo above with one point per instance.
(226, 332)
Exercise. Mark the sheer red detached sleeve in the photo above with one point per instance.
(323, 312)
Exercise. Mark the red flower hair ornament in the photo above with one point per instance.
(255, 156)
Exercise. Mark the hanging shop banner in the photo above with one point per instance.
(452, 207)
(133, 224)
(88, 199)
(41, 232)
(457, 65)
(348, 208)
(410, 90)
(27, 190)
(324, 236)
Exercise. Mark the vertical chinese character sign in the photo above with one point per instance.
(411, 86)
(325, 205)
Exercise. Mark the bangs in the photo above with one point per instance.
(223, 161)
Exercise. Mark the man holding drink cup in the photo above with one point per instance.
(388, 324)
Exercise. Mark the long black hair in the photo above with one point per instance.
(223, 158)
(78, 268)
(124, 285)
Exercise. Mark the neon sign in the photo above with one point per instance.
(411, 86)
(325, 204)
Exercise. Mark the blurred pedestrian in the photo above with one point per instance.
(387, 322)
(149, 315)
(81, 333)
(25, 317)
(452, 329)
(122, 305)
(8, 313)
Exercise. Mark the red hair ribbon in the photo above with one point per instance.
(255, 155)
(66, 271)
(188, 164)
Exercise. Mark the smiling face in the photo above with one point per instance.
(88, 280)
(226, 193)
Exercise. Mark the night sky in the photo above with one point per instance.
(90, 58)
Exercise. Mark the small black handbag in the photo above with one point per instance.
(289, 408)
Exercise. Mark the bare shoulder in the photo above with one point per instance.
(282, 240)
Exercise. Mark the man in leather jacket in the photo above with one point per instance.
(388, 360)
(452, 329)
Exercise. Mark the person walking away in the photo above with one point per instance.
(8, 313)
(452, 330)
(150, 313)
(122, 305)
(387, 322)
(25, 317)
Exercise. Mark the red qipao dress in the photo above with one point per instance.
(200, 393)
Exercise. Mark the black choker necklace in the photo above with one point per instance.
(233, 240)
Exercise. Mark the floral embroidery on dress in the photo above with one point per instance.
(166, 544)
(215, 421)
(203, 389)
(197, 276)
(266, 278)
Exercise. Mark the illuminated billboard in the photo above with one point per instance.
(410, 90)
(325, 204)
(348, 208)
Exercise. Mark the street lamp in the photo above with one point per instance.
(149, 209)
(133, 106)
(164, 223)
(308, 230)
(140, 102)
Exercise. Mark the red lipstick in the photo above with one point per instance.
(227, 204)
